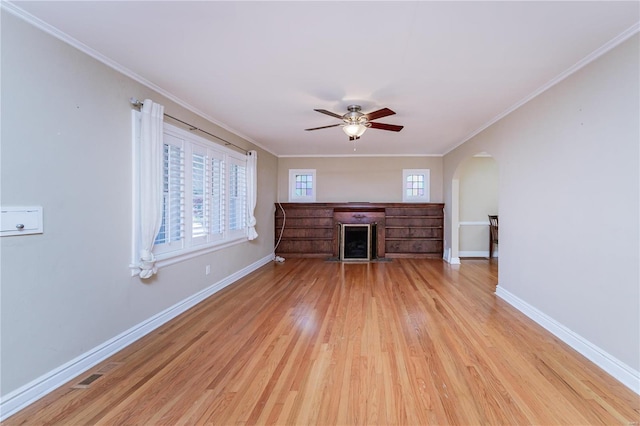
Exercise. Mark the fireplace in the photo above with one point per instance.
(356, 242)
(364, 229)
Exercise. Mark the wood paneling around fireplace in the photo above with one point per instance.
(402, 229)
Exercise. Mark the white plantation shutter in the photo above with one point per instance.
(217, 197)
(203, 198)
(171, 234)
(237, 196)
(199, 196)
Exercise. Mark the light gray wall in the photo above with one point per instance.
(352, 179)
(66, 145)
(569, 201)
(478, 198)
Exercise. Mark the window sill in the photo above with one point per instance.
(416, 200)
(166, 259)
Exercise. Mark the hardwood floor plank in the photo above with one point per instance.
(407, 342)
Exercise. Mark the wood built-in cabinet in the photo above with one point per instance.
(308, 230)
(400, 229)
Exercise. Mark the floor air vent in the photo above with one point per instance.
(92, 378)
(87, 382)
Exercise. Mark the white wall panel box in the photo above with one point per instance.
(20, 220)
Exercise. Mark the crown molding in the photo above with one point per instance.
(358, 156)
(40, 24)
(610, 45)
(60, 35)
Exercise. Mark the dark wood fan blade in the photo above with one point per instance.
(383, 126)
(379, 114)
(333, 114)
(324, 127)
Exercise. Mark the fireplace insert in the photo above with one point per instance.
(356, 242)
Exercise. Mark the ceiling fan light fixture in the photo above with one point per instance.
(354, 129)
(355, 123)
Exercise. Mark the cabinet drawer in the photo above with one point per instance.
(307, 233)
(414, 246)
(306, 212)
(305, 222)
(413, 211)
(420, 221)
(358, 217)
(402, 232)
(306, 247)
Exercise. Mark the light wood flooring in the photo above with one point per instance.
(407, 342)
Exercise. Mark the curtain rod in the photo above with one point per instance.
(137, 104)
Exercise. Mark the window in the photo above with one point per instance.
(237, 196)
(302, 185)
(204, 203)
(415, 185)
(172, 228)
(217, 191)
(199, 179)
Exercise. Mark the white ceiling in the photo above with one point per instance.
(260, 68)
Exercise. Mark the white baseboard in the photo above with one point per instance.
(474, 223)
(446, 256)
(476, 253)
(36, 389)
(616, 368)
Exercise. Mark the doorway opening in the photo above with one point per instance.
(474, 200)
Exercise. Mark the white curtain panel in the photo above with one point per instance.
(252, 192)
(151, 151)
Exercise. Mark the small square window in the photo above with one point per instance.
(415, 187)
(302, 185)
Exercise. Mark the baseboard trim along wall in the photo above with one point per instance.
(476, 253)
(616, 368)
(450, 260)
(38, 388)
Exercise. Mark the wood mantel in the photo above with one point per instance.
(402, 229)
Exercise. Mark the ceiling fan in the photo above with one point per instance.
(356, 122)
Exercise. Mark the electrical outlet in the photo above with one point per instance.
(207, 269)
